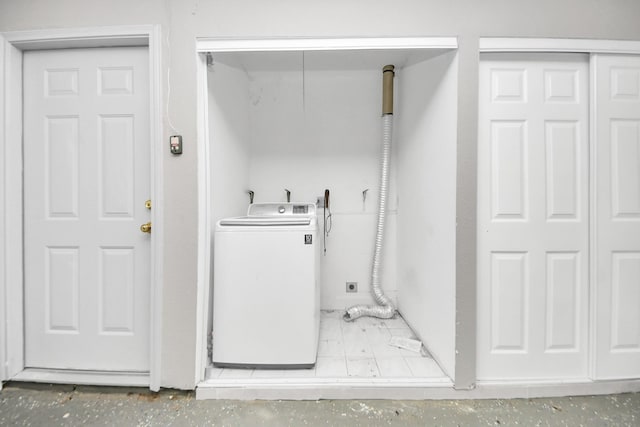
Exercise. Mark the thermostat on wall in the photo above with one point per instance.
(175, 144)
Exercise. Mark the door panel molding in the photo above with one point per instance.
(12, 356)
(11, 262)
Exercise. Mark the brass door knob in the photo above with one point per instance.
(146, 228)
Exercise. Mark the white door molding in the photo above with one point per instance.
(11, 333)
(208, 45)
(204, 221)
(521, 44)
(11, 262)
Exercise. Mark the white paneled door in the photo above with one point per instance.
(617, 222)
(533, 224)
(86, 180)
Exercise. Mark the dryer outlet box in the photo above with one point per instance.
(352, 287)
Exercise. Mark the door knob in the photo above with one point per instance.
(146, 228)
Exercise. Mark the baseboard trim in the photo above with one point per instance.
(341, 388)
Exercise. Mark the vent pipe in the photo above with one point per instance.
(384, 308)
(387, 89)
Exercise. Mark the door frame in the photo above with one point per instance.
(590, 47)
(206, 46)
(12, 46)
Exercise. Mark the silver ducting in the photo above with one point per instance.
(385, 308)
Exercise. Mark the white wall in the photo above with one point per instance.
(228, 105)
(330, 139)
(427, 114)
(316, 129)
(350, 242)
(229, 135)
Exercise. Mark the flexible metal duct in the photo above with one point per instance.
(385, 308)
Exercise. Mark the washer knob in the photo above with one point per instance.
(281, 209)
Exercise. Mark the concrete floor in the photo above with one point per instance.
(53, 405)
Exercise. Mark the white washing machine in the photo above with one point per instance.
(266, 287)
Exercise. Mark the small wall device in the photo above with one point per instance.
(175, 144)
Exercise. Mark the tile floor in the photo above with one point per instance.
(358, 349)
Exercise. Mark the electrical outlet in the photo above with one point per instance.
(320, 202)
(352, 287)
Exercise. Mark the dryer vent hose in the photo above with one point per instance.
(385, 308)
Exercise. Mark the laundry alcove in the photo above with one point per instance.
(304, 115)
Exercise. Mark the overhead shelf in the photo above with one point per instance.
(204, 45)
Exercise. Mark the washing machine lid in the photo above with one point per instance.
(253, 221)
(274, 215)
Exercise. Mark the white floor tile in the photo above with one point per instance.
(366, 368)
(352, 327)
(331, 348)
(384, 350)
(394, 367)
(368, 322)
(330, 329)
(402, 332)
(331, 367)
(331, 314)
(424, 367)
(408, 353)
(378, 335)
(300, 373)
(356, 344)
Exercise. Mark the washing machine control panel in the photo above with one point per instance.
(301, 209)
(278, 209)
